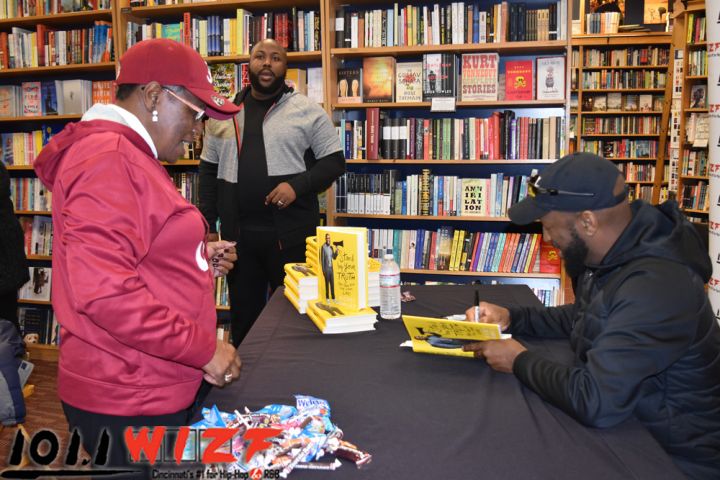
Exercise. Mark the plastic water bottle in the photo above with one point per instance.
(389, 288)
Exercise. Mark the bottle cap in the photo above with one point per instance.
(388, 256)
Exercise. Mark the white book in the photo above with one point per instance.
(550, 78)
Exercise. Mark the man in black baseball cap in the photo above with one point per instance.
(643, 332)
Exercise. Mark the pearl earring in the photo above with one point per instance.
(155, 116)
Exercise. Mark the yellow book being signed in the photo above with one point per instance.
(440, 336)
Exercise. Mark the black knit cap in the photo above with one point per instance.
(577, 182)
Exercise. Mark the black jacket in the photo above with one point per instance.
(645, 339)
(13, 263)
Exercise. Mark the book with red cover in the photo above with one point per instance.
(378, 79)
(549, 258)
(519, 80)
(372, 141)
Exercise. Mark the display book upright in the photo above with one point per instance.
(409, 164)
(689, 150)
(337, 284)
(619, 84)
(40, 91)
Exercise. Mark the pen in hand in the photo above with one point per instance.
(477, 306)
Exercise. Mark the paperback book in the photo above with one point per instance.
(378, 75)
(519, 80)
(408, 82)
(349, 85)
(440, 336)
(550, 78)
(479, 79)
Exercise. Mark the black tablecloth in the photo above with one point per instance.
(431, 416)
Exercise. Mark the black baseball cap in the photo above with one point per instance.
(577, 182)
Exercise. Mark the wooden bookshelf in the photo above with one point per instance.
(594, 47)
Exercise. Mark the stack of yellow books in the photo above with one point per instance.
(301, 285)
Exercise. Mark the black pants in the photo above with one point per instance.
(257, 273)
(9, 307)
(90, 426)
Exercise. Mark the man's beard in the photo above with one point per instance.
(575, 255)
(269, 90)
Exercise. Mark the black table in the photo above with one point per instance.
(431, 416)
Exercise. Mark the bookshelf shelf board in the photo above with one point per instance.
(697, 46)
(632, 159)
(695, 177)
(697, 110)
(480, 274)
(39, 257)
(314, 56)
(34, 302)
(491, 104)
(56, 69)
(640, 182)
(627, 67)
(634, 135)
(622, 112)
(403, 161)
(500, 47)
(20, 167)
(42, 351)
(696, 77)
(692, 210)
(615, 39)
(68, 18)
(182, 162)
(222, 308)
(33, 212)
(448, 218)
(205, 8)
(46, 118)
(621, 90)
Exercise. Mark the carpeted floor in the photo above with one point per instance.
(44, 412)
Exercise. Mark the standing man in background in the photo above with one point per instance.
(260, 174)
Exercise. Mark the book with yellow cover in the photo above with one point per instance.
(331, 318)
(342, 259)
(440, 336)
(301, 273)
(292, 296)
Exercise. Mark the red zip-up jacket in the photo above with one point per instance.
(131, 288)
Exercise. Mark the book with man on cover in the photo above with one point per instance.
(378, 79)
(439, 75)
(440, 336)
(342, 267)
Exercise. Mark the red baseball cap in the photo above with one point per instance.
(171, 63)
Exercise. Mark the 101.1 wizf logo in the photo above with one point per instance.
(146, 447)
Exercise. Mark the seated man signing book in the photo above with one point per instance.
(644, 336)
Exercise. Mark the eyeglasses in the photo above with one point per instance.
(534, 189)
(199, 113)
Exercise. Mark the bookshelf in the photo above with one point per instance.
(690, 174)
(417, 42)
(618, 86)
(29, 120)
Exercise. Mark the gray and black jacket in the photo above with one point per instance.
(302, 148)
(645, 340)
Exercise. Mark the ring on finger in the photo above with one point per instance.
(228, 377)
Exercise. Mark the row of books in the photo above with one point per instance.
(637, 172)
(222, 298)
(453, 23)
(695, 196)
(502, 135)
(29, 194)
(619, 149)
(645, 192)
(38, 325)
(696, 28)
(602, 23)
(53, 97)
(455, 249)
(426, 194)
(32, 8)
(616, 101)
(23, 48)
(623, 57)
(475, 77)
(622, 124)
(187, 184)
(230, 78)
(695, 163)
(549, 296)
(216, 35)
(21, 148)
(697, 63)
(38, 234)
(624, 79)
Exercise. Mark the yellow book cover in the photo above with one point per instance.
(292, 297)
(342, 259)
(301, 273)
(440, 336)
(297, 78)
(337, 319)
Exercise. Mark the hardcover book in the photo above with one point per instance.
(645, 103)
(342, 261)
(315, 84)
(224, 77)
(38, 287)
(472, 196)
(49, 96)
(479, 79)
(331, 318)
(31, 99)
(519, 80)
(439, 75)
(614, 101)
(408, 82)
(440, 336)
(378, 76)
(550, 78)
(349, 85)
